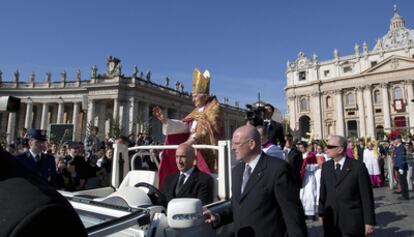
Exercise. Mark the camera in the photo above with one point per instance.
(254, 115)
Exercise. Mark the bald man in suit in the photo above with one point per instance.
(265, 201)
(189, 182)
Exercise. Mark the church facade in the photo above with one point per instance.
(113, 102)
(360, 95)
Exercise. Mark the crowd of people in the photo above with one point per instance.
(276, 184)
(74, 165)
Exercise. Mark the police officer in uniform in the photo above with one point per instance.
(36, 160)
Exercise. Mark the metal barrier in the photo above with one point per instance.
(121, 166)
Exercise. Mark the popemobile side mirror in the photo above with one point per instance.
(184, 213)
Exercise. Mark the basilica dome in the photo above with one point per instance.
(398, 36)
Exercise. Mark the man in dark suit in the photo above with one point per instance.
(295, 159)
(265, 200)
(346, 202)
(35, 158)
(31, 207)
(400, 165)
(274, 129)
(190, 182)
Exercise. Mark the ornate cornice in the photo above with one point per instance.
(367, 87)
(409, 82)
(385, 85)
(316, 94)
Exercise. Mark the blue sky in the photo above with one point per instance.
(244, 44)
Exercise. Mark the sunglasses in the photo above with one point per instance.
(331, 146)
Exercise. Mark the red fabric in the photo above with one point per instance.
(201, 163)
(168, 165)
(310, 159)
(376, 180)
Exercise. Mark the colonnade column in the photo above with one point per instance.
(370, 112)
(60, 112)
(316, 101)
(361, 112)
(292, 112)
(145, 117)
(29, 115)
(11, 128)
(410, 105)
(122, 124)
(339, 113)
(45, 112)
(386, 107)
(91, 112)
(132, 117)
(75, 119)
(116, 110)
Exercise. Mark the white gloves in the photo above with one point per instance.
(401, 171)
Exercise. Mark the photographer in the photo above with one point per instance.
(263, 116)
(275, 129)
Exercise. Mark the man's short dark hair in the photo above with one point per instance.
(271, 107)
(304, 144)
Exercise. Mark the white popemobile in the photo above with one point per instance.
(131, 206)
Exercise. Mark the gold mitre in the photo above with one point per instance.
(201, 82)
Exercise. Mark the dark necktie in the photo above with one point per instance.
(246, 176)
(37, 158)
(179, 184)
(337, 170)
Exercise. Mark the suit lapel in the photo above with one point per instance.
(254, 177)
(174, 183)
(344, 172)
(237, 180)
(30, 159)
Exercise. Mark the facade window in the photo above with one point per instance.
(398, 93)
(347, 69)
(330, 129)
(326, 73)
(352, 127)
(377, 97)
(379, 132)
(349, 99)
(303, 104)
(328, 102)
(373, 63)
(302, 76)
(400, 122)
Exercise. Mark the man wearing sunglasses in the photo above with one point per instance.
(346, 202)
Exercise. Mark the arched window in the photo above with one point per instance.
(349, 99)
(303, 104)
(377, 97)
(328, 102)
(398, 94)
